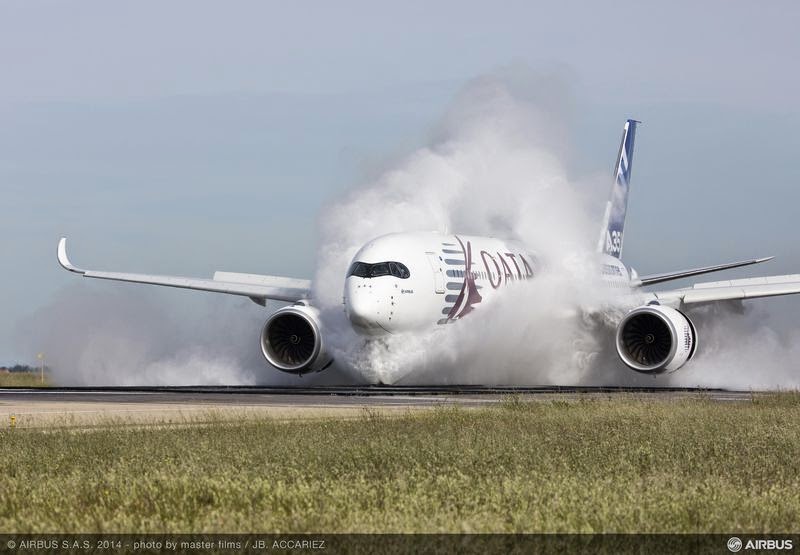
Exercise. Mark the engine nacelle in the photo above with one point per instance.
(291, 340)
(654, 339)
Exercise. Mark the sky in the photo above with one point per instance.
(193, 136)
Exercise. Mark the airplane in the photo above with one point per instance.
(403, 282)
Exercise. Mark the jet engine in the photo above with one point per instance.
(291, 340)
(655, 339)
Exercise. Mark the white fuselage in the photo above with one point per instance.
(406, 281)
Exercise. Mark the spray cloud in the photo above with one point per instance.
(494, 168)
(741, 348)
(103, 334)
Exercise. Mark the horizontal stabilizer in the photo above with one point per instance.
(258, 288)
(660, 278)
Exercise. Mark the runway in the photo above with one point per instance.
(92, 406)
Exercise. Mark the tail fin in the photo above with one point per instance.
(611, 233)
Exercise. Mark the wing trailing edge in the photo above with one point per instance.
(736, 289)
(660, 278)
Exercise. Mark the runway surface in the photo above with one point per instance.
(85, 406)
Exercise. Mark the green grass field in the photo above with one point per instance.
(22, 379)
(622, 465)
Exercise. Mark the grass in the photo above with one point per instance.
(23, 379)
(623, 465)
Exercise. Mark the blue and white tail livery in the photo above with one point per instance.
(611, 234)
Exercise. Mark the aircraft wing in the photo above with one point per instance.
(660, 278)
(749, 288)
(259, 288)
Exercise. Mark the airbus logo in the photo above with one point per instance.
(736, 544)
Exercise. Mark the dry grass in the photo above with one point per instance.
(586, 466)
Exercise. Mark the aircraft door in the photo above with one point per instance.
(438, 274)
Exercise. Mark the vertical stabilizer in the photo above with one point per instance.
(611, 234)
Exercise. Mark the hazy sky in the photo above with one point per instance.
(186, 137)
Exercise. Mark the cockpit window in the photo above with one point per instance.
(366, 270)
(399, 270)
(380, 269)
(359, 269)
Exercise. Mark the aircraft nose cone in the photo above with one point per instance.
(361, 304)
(358, 308)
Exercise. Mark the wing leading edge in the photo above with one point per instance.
(259, 288)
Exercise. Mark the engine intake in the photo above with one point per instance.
(291, 340)
(654, 339)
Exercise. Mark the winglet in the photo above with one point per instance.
(64, 260)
